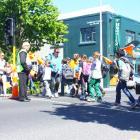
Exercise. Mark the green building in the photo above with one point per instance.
(84, 32)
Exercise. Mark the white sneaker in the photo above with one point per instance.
(56, 95)
(89, 99)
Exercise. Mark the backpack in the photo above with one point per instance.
(126, 70)
(67, 72)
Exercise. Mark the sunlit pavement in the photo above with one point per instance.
(68, 118)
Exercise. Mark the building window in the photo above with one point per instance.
(130, 36)
(87, 35)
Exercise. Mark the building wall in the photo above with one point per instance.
(74, 25)
(130, 25)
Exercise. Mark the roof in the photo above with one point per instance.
(94, 10)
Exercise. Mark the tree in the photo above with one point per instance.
(36, 21)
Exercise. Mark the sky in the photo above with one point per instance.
(127, 8)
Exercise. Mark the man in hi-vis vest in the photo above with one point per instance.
(23, 71)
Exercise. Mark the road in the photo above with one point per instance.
(67, 118)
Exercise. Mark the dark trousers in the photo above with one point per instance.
(65, 82)
(122, 86)
(23, 78)
(84, 81)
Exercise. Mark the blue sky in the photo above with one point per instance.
(127, 8)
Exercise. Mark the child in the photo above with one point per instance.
(86, 71)
(8, 71)
(46, 80)
(94, 81)
(67, 77)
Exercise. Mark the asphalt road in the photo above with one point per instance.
(67, 118)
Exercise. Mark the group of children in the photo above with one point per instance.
(76, 75)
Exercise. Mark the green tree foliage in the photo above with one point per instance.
(36, 21)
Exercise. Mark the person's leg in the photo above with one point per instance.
(62, 85)
(22, 85)
(44, 91)
(52, 84)
(47, 89)
(127, 92)
(97, 89)
(4, 80)
(83, 88)
(86, 83)
(91, 88)
(26, 87)
(57, 83)
(68, 86)
(118, 93)
(83, 85)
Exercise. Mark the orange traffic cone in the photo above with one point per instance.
(15, 92)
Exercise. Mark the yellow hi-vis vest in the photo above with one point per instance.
(19, 66)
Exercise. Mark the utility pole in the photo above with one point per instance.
(101, 32)
(101, 37)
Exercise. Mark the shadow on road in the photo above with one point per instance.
(123, 119)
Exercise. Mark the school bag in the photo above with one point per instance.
(126, 70)
(67, 72)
